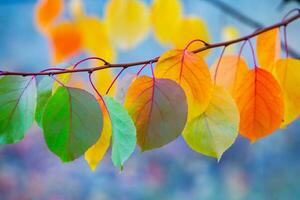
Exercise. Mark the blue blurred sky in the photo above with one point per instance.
(268, 169)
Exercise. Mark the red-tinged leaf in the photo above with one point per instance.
(66, 41)
(46, 12)
(191, 73)
(159, 110)
(260, 102)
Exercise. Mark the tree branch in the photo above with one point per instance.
(245, 20)
(285, 22)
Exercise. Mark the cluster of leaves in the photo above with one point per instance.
(125, 24)
(208, 106)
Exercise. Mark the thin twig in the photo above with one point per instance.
(154, 60)
(247, 20)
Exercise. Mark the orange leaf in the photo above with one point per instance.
(159, 110)
(268, 49)
(260, 102)
(46, 12)
(66, 41)
(231, 71)
(191, 73)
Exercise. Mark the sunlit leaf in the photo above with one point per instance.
(17, 107)
(191, 28)
(44, 92)
(95, 38)
(95, 154)
(47, 12)
(128, 22)
(72, 122)
(287, 72)
(215, 130)
(66, 41)
(123, 132)
(159, 110)
(231, 71)
(191, 72)
(165, 24)
(260, 102)
(268, 49)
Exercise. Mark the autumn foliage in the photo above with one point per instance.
(208, 106)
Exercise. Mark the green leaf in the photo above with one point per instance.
(215, 130)
(17, 107)
(44, 92)
(123, 132)
(72, 122)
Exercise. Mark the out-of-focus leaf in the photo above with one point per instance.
(230, 33)
(159, 110)
(260, 102)
(95, 154)
(123, 132)
(165, 16)
(128, 22)
(72, 122)
(44, 92)
(77, 8)
(66, 41)
(191, 28)
(287, 72)
(17, 107)
(215, 130)
(95, 38)
(191, 72)
(46, 13)
(268, 49)
(231, 71)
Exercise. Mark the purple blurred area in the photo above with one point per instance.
(267, 169)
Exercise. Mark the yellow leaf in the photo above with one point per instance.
(268, 49)
(165, 24)
(287, 72)
(95, 38)
(215, 130)
(62, 78)
(191, 73)
(96, 152)
(103, 79)
(191, 28)
(128, 22)
(230, 33)
(231, 71)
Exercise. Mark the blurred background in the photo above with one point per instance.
(267, 169)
